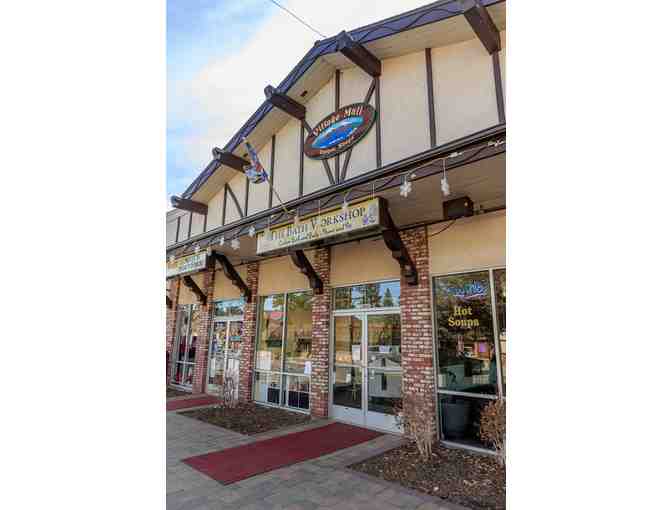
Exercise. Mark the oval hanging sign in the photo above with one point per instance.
(339, 131)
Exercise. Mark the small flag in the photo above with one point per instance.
(255, 172)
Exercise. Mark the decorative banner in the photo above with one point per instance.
(339, 131)
(360, 216)
(188, 264)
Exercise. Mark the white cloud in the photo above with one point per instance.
(222, 95)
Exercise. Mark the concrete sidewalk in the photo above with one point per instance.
(322, 483)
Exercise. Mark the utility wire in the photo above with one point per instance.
(298, 19)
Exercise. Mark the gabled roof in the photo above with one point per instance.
(431, 13)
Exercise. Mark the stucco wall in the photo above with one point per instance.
(281, 275)
(362, 261)
(224, 289)
(215, 210)
(286, 174)
(319, 106)
(237, 185)
(186, 296)
(471, 243)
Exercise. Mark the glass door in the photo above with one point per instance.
(224, 353)
(366, 383)
(184, 349)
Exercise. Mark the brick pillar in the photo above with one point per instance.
(416, 326)
(246, 367)
(319, 379)
(171, 322)
(201, 365)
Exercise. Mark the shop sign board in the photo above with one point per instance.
(355, 218)
(339, 131)
(189, 264)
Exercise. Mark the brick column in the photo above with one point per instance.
(201, 365)
(319, 379)
(416, 326)
(246, 367)
(171, 322)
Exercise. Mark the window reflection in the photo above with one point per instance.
(500, 306)
(465, 344)
(269, 342)
(372, 295)
(348, 340)
(299, 333)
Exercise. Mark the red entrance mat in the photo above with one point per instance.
(191, 402)
(235, 464)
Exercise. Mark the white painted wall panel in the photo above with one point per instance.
(237, 185)
(319, 106)
(354, 85)
(184, 226)
(171, 230)
(403, 101)
(464, 90)
(197, 224)
(215, 210)
(287, 154)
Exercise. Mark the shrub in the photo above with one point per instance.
(493, 428)
(228, 393)
(415, 416)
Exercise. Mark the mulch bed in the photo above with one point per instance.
(459, 476)
(172, 392)
(248, 418)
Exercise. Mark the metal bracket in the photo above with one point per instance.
(398, 249)
(231, 273)
(301, 261)
(193, 287)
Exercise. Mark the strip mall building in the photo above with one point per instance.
(378, 270)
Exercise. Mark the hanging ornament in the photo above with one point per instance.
(267, 232)
(222, 241)
(197, 248)
(208, 252)
(297, 220)
(235, 243)
(345, 206)
(406, 188)
(251, 231)
(445, 186)
(172, 258)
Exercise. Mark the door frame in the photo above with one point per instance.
(228, 321)
(369, 419)
(176, 348)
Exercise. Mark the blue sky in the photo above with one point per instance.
(222, 53)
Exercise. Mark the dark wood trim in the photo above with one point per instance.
(358, 54)
(499, 89)
(397, 247)
(224, 206)
(303, 264)
(285, 103)
(421, 163)
(191, 218)
(430, 97)
(193, 287)
(306, 126)
(379, 159)
(482, 25)
(205, 223)
(327, 169)
(169, 303)
(346, 163)
(177, 230)
(302, 138)
(337, 101)
(272, 172)
(247, 195)
(231, 273)
(235, 200)
(188, 205)
(230, 159)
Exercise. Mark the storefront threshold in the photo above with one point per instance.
(291, 409)
(462, 446)
(369, 427)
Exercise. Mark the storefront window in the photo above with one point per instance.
(500, 305)
(283, 359)
(228, 308)
(299, 333)
(465, 345)
(269, 342)
(372, 295)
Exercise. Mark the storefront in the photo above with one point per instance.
(369, 266)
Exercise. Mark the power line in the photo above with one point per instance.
(298, 19)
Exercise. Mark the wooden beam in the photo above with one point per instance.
(231, 273)
(337, 101)
(397, 247)
(235, 199)
(358, 54)
(230, 159)
(301, 261)
(302, 139)
(193, 287)
(285, 103)
(348, 154)
(169, 302)
(379, 158)
(177, 230)
(271, 173)
(188, 205)
(482, 24)
(191, 220)
(430, 97)
(499, 89)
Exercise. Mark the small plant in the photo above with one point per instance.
(228, 392)
(493, 428)
(417, 423)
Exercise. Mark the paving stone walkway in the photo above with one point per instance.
(322, 483)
